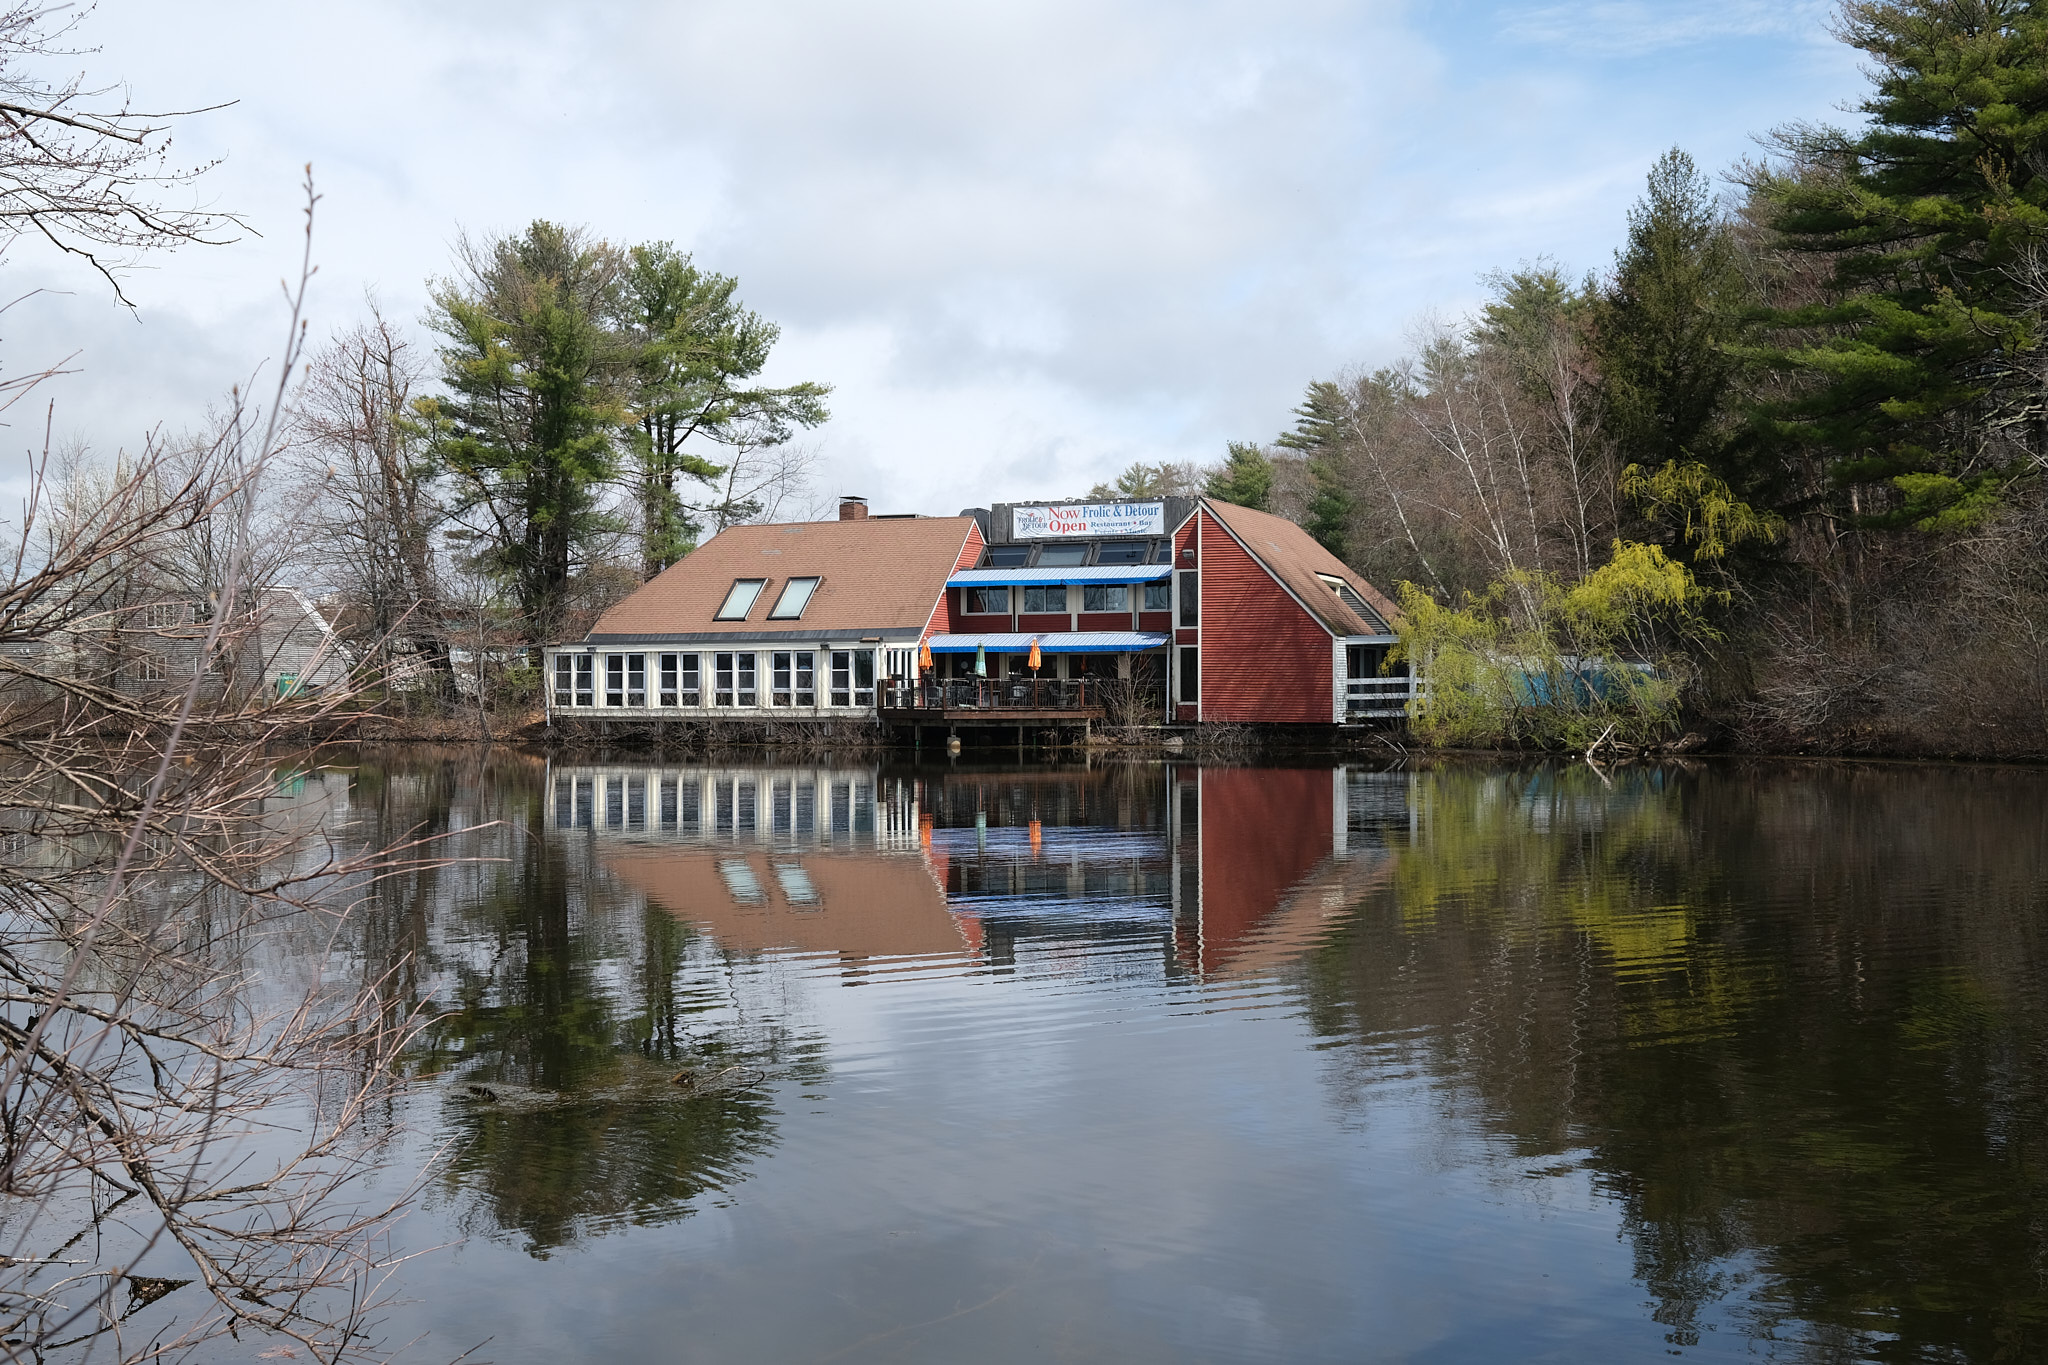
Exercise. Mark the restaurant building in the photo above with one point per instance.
(1019, 615)
(805, 620)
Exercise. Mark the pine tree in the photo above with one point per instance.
(1667, 324)
(696, 348)
(535, 375)
(1320, 427)
(1246, 478)
(1914, 366)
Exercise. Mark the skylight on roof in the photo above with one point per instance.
(740, 600)
(796, 595)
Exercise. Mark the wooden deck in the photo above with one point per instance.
(998, 715)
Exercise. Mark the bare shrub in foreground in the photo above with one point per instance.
(181, 1131)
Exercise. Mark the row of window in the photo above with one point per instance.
(165, 615)
(740, 599)
(1067, 555)
(730, 807)
(1054, 598)
(147, 667)
(735, 678)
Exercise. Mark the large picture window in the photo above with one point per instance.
(586, 680)
(749, 690)
(740, 599)
(1105, 597)
(853, 677)
(796, 595)
(989, 601)
(1159, 596)
(665, 680)
(793, 677)
(681, 681)
(722, 679)
(1049, 599)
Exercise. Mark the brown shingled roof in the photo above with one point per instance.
(880, 574)
(1294, 557)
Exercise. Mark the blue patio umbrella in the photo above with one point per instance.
(980, 662)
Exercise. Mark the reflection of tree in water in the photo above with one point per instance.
(561, 1011)
(1792, 1020)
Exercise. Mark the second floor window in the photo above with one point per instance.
(989, 601)
(1105, 597)
(1158, 596)
(1052, 599)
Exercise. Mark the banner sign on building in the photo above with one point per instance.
(1088, 519)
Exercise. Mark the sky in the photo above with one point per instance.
(1027, 244)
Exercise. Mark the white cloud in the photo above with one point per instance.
(1027, 244)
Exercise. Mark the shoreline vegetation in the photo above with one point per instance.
(527, 732)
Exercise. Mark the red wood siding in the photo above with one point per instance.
(946, 617)
(1155, 620)
(1105, 620)
(1263, 657)
(1039, 625)
(952, 621)
(1182, 538)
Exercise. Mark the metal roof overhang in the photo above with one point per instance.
(1100, 573)
(1052, 642)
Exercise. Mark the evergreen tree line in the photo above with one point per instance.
(1788, 450)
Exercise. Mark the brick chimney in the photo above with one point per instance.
(852, 508)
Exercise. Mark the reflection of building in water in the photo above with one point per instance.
(1264, 857)
(796, 805)
(817, 859)
(1224, 869)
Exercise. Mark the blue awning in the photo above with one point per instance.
(1053, 642)
(1099, 573)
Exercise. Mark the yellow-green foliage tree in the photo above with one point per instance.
(1536, 661)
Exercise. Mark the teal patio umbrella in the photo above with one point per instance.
(980, 662)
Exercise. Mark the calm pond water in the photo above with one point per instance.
(1165, 1063)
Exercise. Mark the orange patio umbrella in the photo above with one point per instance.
(924, 654)
(1034, 661)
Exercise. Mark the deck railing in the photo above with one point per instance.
(992, 694)
(1378, 696)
